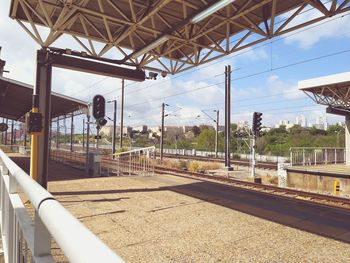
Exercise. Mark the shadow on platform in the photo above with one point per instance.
(313, 218)
(320, 220)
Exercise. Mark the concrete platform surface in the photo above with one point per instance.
(326, 168)
(171, 219)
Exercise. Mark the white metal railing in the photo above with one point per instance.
(316, 155)
(193, 152)
(29, 240)
(134, 162)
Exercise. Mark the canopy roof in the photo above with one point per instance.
(332, 90)
(167, 35)
(16, 100)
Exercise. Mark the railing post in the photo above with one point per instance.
(326, 155)
(315, 155)
(291, 158)
(335, 156)
(303, 157)
(42, 238)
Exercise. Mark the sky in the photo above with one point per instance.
(264, 78)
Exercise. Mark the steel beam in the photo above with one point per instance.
(89, 66)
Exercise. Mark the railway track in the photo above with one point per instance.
(261, 165)
(287, 193)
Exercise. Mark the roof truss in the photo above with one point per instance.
(102, 26)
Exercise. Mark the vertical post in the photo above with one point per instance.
(315, 154)
(87, 141)
(25, 135)
(12, 129)
(71, 132)
(162, 134)
(227, 116)
(253, 162)
(42, 93)
(50, 137)
(114, 126)
(7, 122)
(57, 131)
(121, 117)
(347, 139)
(83, 134)
(217, 134)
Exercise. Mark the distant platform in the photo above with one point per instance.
(330, 170)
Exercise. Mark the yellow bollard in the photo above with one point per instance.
(33, 154)
(336, 187)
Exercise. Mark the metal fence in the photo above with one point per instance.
(27, 238)
(316, 155)
(74, 159)
(134, 162)
(258, 157)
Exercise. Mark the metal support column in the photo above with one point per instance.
(114, 126)
(217, 134)
(57, 132)
(71, 132)
(162, 134)
(25, 135)
(83, 134)
(347, 140)
(7, 122)
(121, 116)
(227, 117)
(11, 138)
(42, 99)
(87, 142)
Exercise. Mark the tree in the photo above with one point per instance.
(196, 130)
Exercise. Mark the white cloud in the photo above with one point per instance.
(336, 28)
(288, 90)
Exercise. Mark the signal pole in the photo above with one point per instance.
(121, 117)
(162, 133)
(217, 134)
(227, 116)
(256, 132)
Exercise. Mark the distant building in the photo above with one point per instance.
(321, 122)
(142, 128)
(285, 123)
(108, 130)
(301, 120)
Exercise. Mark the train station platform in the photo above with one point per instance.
(165, 218)
(320, 178)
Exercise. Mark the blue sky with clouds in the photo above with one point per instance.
(264, 79)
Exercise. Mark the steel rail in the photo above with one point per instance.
(292, 194)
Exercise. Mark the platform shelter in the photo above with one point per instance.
(332, 91)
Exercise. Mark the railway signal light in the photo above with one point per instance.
(257, 118)
(101, 122)
(3, 127)
(34, 123)
(98, 107)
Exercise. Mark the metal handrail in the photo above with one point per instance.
(136, 150)
(317, 148)
(78, 243)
